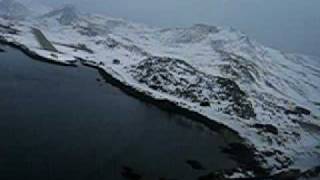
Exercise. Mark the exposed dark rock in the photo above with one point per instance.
(109, 42)
(268, 153)
(116, 61)
(83, 47)
(241, 106)
(76, 47)
(87, 31)
(178, 78)
(242, 153)
(239, 68)
(298, 110)
(239, 150)
(266, 128)
(301, 110)
(53, 55)
(8, 29)
(205, 103)
(2, 50)
(195, 165)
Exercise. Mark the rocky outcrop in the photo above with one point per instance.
(177, 78)
(298, 110)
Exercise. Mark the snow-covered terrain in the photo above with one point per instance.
(271, 98)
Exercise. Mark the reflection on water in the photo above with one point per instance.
(65, 123)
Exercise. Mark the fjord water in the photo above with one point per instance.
(61, 122)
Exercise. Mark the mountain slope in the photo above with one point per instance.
(66, 15)
(269, 97)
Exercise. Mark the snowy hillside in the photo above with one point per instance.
(269, 97)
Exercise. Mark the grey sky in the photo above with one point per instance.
(290, 25)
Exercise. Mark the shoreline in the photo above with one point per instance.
(240, 151)
(32, 54)
(245, 158)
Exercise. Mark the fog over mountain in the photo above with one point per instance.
(289, 25)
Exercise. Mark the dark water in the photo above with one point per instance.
(65, 123)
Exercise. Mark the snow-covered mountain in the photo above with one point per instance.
(66, 15)
(271, 98)
(13, 9)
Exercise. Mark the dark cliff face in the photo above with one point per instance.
(177, 78)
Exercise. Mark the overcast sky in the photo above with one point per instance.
(290, 25)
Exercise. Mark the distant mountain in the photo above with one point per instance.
(66, 15)
(13, 9)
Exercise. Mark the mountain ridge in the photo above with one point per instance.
(65, 15)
